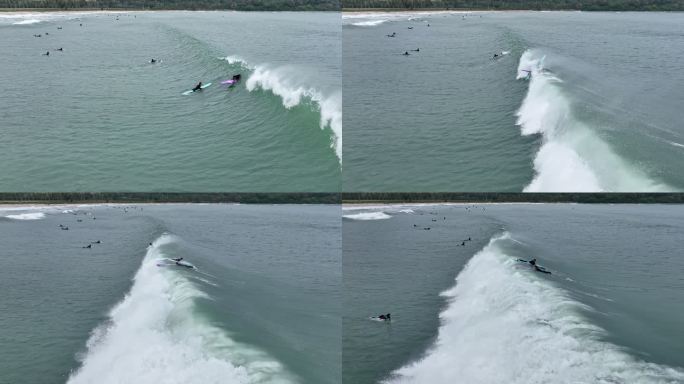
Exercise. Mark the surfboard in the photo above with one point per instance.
(229, 82)
(189, 91)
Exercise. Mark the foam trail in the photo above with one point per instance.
(572, 157)
(504, 325)
(27, 216)
(368, 216)
(155, 335)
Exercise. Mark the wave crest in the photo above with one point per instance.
(572, 157)
(155, 335)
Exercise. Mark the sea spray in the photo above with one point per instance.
(572, 157)
(509, 325)
(156, 335)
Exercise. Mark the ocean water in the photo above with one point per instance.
(98, 116)
(468, 312)
(601, 110)
(262, 305)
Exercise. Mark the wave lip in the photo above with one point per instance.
(27, 216)
(572, 157)
(155, 335)
(503, 325)
(368, 216)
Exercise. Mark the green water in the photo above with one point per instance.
(98, 116)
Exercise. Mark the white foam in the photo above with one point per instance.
(406, 211)
(368, 216)
(155, 335)
(27, 22)
(504, 325)
(572, 157)
(369, 23)
(27, 216)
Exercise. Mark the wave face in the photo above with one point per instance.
(155, 335)
(368, 216)
(279, 81)
(572, 157)
(27, 216)
(505, 325)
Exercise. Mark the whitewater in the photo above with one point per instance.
(156, 335)
(572, 156)
(507, 325)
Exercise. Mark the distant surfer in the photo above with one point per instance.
(198, 87)
(416, 50)
(237, 77)
(387, 317)
(88, 246)
(46, 53)
(496, 56)
(60, 49)
(406, 53)
(153, 61)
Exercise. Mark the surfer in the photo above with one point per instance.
(237, 77)
(46, 53)
(534, 265)
(177, 259)
(60, 49)
(415, 50)
(198, 87)
(153, 61)
(88, 246)
(496, 55)
(387, 317)
(406, 53)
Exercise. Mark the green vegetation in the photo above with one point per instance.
(165, 197)
(584, 5)
(243, 5)
(585, 198)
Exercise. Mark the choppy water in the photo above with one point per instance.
(98, 116)
(601, 111)
(263, 305)
(610, 312)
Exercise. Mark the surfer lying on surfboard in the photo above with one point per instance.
(198, 87)
(386, 317)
